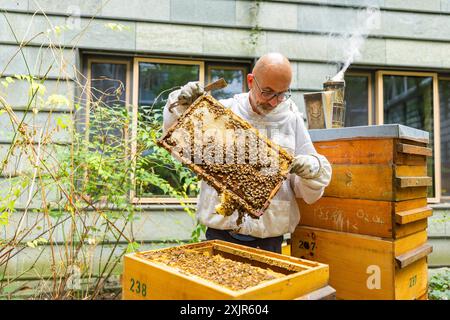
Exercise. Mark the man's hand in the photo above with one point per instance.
(305, 166)
(189, 93)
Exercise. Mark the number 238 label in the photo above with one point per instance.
(137, 287)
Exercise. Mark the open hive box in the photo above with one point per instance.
(219, 270)
(243, 166)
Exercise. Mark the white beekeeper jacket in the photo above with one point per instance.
(284, 126)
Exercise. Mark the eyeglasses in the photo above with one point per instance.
(269, 95)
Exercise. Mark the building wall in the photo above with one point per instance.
(313, 34)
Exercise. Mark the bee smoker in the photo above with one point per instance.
(326, 109)
(338, 104)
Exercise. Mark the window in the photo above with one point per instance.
(444, 99)
(154, 79)
(410, 98)
(233, 75)
(358, 99)
(109, 84)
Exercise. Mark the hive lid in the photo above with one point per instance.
(375, 131)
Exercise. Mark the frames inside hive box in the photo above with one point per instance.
(244, 167)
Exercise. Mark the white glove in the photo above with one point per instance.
(189, 93)
(305, 166)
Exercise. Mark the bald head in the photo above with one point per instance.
(275, 66)
(270, 77)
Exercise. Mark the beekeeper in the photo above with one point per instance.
(268, 107)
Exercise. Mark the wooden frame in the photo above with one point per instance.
(136, 61)
(284, 158)
(379, 115)
(228, 67)
(369, 93)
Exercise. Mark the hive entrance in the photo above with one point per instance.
(243, 166)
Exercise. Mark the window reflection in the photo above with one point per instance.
(356, 100)
(233, 76)
(444, 98)
(108, 81)
(156, 81)
(408, 100)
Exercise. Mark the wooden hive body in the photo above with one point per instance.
(164, 282)
(369, 268)
(248, 167)
(379, 182)
(373, 215)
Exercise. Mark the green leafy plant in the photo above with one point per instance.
(66, 203)
(439, 286)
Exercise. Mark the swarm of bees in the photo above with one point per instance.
(226, 272)
(244, 167)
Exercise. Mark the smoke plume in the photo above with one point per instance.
(367, 19)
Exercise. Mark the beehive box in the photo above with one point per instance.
(379, 182)
(243, 166)
(383, 163)
(151, 275)
(390, 220)
(365, 267)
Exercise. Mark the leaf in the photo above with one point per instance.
(31, 244)
(132, 247)
(4, 218)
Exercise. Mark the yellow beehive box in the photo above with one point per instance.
(364, 267)
(149, 278)
(385, 219)
(381, 163)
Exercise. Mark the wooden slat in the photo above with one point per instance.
(410, 159)
(326, 293)
(411, 149)
(412, 256)
(403, 217)
(410, 204)
(410, 171)
(409, 243)
(407, 182)
(403, 230)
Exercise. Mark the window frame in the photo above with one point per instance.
(370, 103)
(379, 118)
(154, 200)
(444, 78)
